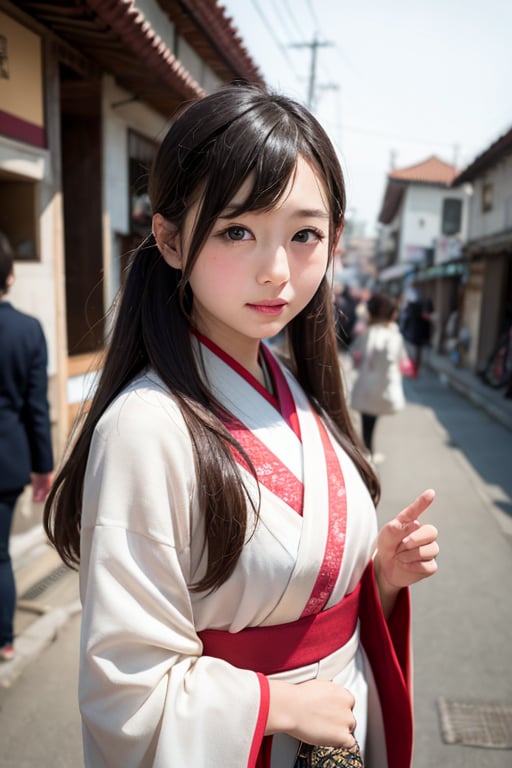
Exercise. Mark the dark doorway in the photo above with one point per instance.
(82, 201)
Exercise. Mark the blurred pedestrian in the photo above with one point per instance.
(345, 315)
(416, 325)
(377, 354)
(25, 437)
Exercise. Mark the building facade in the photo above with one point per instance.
(87, 89)
(488, 255)
(423, 227)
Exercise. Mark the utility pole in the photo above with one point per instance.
(314, 45)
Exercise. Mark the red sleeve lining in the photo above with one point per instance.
(261, 722)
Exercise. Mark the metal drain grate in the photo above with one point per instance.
(475, 724)
(37, 589)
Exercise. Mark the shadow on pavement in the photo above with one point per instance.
(486, 444)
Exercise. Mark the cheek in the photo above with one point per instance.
(310, 274)
(214, 275)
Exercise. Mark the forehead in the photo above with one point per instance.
(305, 185)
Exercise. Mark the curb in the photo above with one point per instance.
(27, 546)
(491, 401)
(34, 639)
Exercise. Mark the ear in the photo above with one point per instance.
(168, 241)
(9, 281)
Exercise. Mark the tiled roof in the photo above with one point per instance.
(433, 170)
(114, 36)
(206, 27)
(146, 47)
(498, 150)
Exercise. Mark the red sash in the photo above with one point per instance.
(302, 642)
(277, 648)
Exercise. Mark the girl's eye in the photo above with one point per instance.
(237, 233)
(308, 236)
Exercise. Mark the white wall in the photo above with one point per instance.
(166, 30)
(422, 216)
(499, 218)
(210, 80)
(117, 121)
(158, 20)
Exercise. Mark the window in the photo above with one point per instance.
(19, 215)
(487, 196)
(451, 216)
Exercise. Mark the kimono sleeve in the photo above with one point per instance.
(147, 695)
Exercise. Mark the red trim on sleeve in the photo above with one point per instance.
(261, 722)
(387, 647)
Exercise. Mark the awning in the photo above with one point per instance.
(395, 272)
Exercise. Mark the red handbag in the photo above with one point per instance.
(408, 368)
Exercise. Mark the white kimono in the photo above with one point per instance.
(148, 694)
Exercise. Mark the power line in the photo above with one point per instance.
(313, 14)
(318, 28)
(314, 45)
(277, 7)
(293, 16)
(276, 40)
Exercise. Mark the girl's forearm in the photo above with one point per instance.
(387, 592)
(280, 713)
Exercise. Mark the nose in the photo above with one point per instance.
(273, 265)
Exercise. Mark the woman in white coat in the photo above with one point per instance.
(377, 354)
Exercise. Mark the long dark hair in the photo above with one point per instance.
(210, 149)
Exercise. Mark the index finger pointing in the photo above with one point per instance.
(419, 505)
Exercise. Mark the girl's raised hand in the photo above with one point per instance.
(406, 549)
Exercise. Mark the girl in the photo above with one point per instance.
(234, 602)
(378, 353)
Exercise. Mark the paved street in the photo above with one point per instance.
(462, 617)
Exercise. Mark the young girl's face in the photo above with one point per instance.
(258, 270)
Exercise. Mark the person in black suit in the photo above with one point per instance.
(25, 436)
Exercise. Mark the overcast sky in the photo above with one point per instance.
(400, 78)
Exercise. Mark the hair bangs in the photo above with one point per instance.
(273, 167)
(263, 152)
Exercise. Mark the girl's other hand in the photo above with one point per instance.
(317, 712)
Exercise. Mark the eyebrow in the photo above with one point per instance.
(314, 213)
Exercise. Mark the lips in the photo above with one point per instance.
(269, 306)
